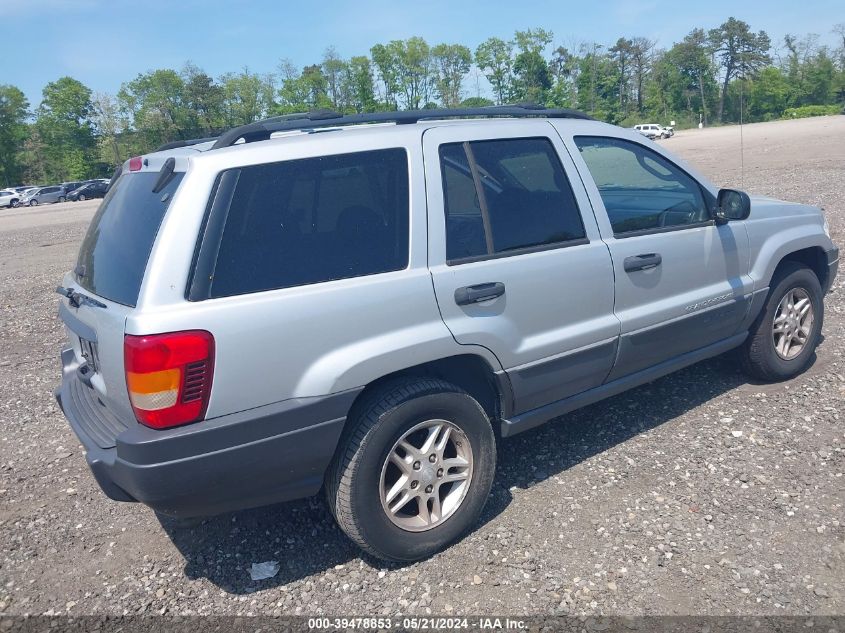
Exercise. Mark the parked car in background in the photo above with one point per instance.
(653, 130)
(9, 198)
(74, 184)
(21, 188)
(44, 195)
(95, 189)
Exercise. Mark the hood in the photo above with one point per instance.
(763, 206)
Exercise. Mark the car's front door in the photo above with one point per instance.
(681, 279)
(50, 194)
(516, 257)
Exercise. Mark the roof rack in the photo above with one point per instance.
(197, 141)
(186, 143)
(261, 130)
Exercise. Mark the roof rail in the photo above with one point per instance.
(186, 143)
(197, 141)
(261, 130)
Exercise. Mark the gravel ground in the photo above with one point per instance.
(700, 493)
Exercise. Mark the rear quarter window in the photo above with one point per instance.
(308, 221)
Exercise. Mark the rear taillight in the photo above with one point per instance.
(169, 376)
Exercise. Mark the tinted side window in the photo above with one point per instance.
(464, 221)
(505, 195)
(640, 189)
(306, 221)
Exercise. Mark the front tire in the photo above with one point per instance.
(414, 470)
(62, 199)
(782, 340)
(33, 203)
(81, 197)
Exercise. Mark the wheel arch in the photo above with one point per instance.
(813, 257)
(470, 372)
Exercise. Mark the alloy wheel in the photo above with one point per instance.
(792, 323)
(426, 475)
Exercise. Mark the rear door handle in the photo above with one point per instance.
(479, 292)
(642, 262)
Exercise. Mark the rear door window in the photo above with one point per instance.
(114, 253)
(506, 196)
(311, 220)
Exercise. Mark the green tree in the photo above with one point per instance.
(109, 127)
(414, 64)
(640, 54)
(406, 71)
(452, 62)
(598, 85)
(494, 57)
(360, 80)
(476, 102)
(692, 59)
(65, 127)
(564, 71)
(532, 77)
(533, 40)
(621, 53)
(305, 91)
(247, 97)
(821, 79)
(154, 102)
(14, 110)
(839, 31)
(336, 72)
(203, 98)
(768, 95)
(741, 53)
(388, 71)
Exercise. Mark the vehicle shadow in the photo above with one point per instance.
(303, 537)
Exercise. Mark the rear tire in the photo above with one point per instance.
(782, 340)
(62, 199)
(412, 442)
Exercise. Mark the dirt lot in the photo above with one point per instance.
(700, 493)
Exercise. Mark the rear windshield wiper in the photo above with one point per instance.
(77, 298)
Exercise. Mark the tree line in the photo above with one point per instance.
(725, 74)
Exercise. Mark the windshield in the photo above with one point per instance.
(114, 253)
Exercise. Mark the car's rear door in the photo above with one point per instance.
(681, 279)
(516, 256)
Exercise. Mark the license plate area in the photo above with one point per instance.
(90, 354)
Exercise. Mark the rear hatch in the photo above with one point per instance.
(102, 291)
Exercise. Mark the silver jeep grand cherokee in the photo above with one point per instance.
(363, 304)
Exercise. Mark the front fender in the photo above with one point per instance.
(772, 238)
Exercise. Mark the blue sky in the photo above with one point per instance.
(104, 43)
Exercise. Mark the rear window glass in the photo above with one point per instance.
(114, 253)
(307, 221)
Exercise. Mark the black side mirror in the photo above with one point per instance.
(732, 205)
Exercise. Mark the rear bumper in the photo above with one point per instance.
(266, 455)
(832, 268)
